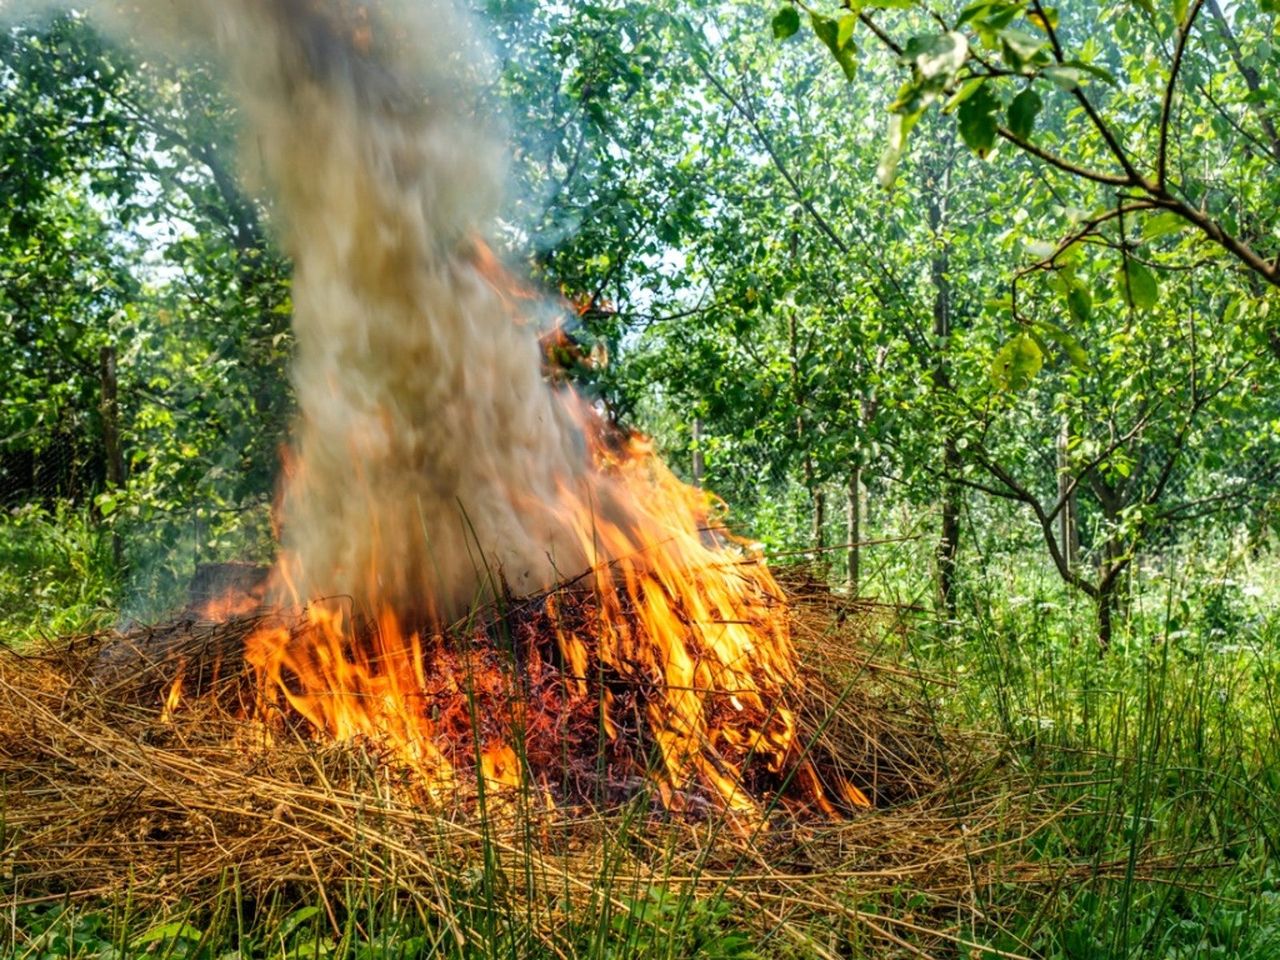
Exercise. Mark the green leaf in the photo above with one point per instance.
(1179, 11)
(978, 123)
(975, 9)
(845, 52)
(786, 22)
(1138, 285)
(827, 30)
(939, 55)
(1162, 224)
(1016, 363)
(1069, 344)
(845, 27)
(178, 930)
(1068, 78)
(1233, 310)
(296, 919)
(1023, 111)
(1019, 47)
(1093, 70)
(1079, 302)
(967, 90)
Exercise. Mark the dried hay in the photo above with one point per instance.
(105, 793)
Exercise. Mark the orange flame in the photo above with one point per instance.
(173, 698)
(676, 637)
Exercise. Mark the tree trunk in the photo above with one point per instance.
(699, 464)
(853, 508)
(1106, 608)
(1068, 516)
(1113, 560)
(819, 521)
(109, 408)
(949, 536)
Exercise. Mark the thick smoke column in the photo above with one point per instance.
(429, 454)
(428, 445)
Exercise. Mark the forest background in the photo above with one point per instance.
(968, 307)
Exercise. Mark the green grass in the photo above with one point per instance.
(57, 573)
(377, 926)
(1163, 756)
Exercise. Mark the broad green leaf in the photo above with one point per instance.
(1068, 78)
(845, 32)
(1016, 363)
(940, 55)
(178, 930)
(1019, 47)
(1233, 310)
(1093, 70)
(1079, 302)
(1162, 224)
(1141, 289)
(1069, 344)
(296, 919)
(828, 31)
(974, 10)
(978, 123)
(1023, 111)
(1179, 11)
(786, 22)
(967, 90)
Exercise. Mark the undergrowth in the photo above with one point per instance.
(57, 573)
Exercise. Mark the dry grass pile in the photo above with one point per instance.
(105, 791)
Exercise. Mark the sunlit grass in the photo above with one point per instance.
(57, 573)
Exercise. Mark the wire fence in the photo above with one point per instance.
(43, 468)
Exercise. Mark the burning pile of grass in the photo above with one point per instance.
(112, 784)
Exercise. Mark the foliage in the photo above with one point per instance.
(121, 229)
(57, 573)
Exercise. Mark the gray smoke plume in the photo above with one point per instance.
(429, 454)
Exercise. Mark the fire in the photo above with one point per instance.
(619, 635)
(676, 636)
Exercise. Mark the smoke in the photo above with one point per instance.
(429, 455)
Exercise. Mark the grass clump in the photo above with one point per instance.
(57, 573)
